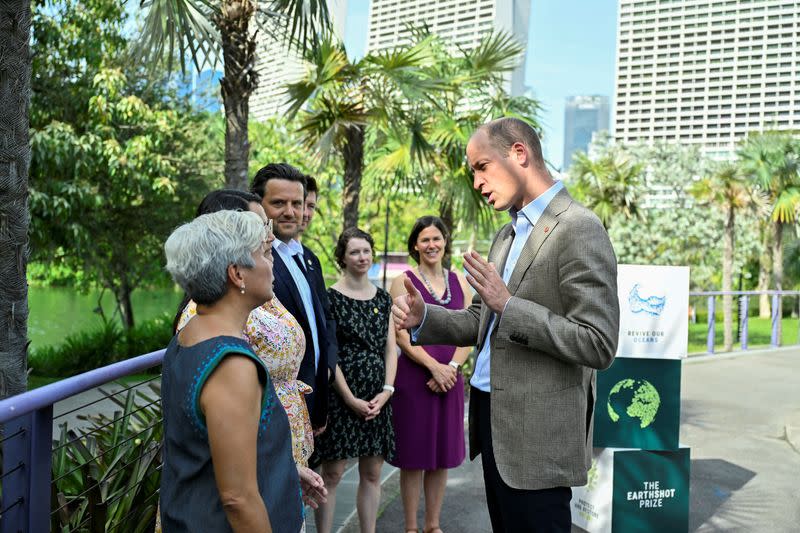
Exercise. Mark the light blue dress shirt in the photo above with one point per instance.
(523, 222)
(287, 251)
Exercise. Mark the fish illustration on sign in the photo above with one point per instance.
(652, 305)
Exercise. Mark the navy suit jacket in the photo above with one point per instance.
(287, 292)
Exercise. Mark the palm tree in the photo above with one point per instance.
(608, 185)
(15, 95)
(728, 189)
(344, 102)
(475, 95)
(200, 29)
(772, 160)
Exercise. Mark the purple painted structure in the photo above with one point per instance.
(27, 440)
(775, 340)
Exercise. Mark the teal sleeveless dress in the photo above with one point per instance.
(190, 499)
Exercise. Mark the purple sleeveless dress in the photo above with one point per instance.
(428, 427)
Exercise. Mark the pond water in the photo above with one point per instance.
(56, 312)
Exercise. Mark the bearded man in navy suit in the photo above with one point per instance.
(298, 281)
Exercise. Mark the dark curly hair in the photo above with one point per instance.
(345, 237)
(423, 223)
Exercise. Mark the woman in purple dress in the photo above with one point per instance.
(428, 403)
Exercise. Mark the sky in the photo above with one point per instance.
(571, 51)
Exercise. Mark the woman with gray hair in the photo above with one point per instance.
(227, 456)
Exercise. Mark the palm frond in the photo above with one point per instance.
(327, 67)
(303, 21)
(496, 53)
(179, 27)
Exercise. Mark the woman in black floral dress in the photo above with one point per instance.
(359, 417)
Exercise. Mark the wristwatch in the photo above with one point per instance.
(455, 365)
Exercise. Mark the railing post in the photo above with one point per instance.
(711, 325)
(27, 459)
(775, 340)
(744, 316)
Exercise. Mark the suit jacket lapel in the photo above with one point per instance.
(540, 232)
(497, 255)
(284, 277)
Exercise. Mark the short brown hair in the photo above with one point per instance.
(345, 237)
(504, 132)
(311, 185)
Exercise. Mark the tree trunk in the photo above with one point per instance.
(777, 270)
(353, 152)
(446, 214)
(727, 279)
(15, 156)
(239, 82)
(764, 272)
(123, 296)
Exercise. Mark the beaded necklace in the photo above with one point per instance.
(447, 295)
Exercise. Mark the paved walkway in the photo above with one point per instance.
(740, 416)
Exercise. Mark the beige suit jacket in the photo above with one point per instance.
(561, 324)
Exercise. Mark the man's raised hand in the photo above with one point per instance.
(486, 281)
(408, 309)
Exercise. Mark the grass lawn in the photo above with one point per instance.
(759, 334)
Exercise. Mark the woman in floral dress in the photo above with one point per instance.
(359, 416)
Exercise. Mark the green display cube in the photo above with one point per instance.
(638, 404)
(634, 491)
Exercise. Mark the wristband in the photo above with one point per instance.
(389, 388)
(454, 365)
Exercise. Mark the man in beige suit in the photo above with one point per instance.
(544, 319)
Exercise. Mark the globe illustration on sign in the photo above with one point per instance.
(639, 397)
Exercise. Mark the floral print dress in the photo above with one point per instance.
(278, 340)
(362, 327)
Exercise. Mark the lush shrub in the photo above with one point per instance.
(106, 475)
(80, 352)
(102, 346)
(148, 336)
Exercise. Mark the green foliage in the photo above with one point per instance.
(74, 40)
(610, 184)
(104, 201)
(107, 344)
(78, 353)
(106, 476)
(404, 116)
(772, 161)
(118, 159)
(670, 226)
(190, 29)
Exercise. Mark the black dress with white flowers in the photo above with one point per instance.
(362, 327)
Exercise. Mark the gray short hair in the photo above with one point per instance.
(199, 252)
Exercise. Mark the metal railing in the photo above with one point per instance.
(742, 311)
(74, 482)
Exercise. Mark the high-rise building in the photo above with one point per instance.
(461, 22)
(583, 117)
(277, 66)
(706, 72)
